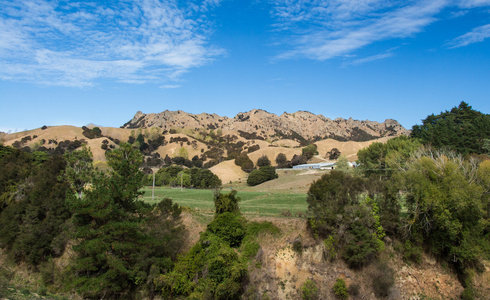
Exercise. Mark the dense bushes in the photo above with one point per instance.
(340, 208)
(447, 204)
(216, 266)
(175, 176)
(309, 290)
(32, 216)
(261, 175)
(229, 228)
(340, 289)
(298, 160)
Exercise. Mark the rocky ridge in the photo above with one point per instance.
(300, 126)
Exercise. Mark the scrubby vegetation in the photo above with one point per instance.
(443, 189)
(427, 193)
(216, 267)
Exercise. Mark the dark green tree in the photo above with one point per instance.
(461, 129)
(108, 223)
(263, 161)
(261, 175)
(309, 151)
(244, 162)
(281, 160)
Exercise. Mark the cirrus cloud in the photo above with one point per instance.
(77, 43)
(327, 29)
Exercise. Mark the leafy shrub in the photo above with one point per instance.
(212, 269)
(333, 154)
(469, 292)
(340, 289)
(229, 227)
(30, 224)
(210, 164)
(309, 290)
(281, 160)
(250, 136)
(361, 246)
(330, 244)
(226, 202)
(261, 175)
(461, 129)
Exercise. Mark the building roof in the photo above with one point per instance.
(314, 166)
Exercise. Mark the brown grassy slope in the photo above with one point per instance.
(227, 171)
(348, 149)
(272, 152)
(293, 181)
(59, 133)
(172, 149)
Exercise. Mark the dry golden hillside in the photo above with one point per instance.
(187, 143)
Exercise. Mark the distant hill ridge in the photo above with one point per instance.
(260, 124)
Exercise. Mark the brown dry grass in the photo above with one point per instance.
(172, 149)
(227, 171)
(348, 149)
(59, 133)
(272, 152)
(286, 143)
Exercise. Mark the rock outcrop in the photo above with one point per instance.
(259, 124)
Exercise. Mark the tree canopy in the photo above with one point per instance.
(461, 129)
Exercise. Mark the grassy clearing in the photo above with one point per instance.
(252, 203)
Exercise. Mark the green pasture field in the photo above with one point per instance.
(252, 203)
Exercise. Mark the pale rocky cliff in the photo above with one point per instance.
(298, 126)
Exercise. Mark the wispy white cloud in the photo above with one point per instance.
(473, 3)
(76, 43)
(328, 29)
(371, 58)
(170, 86)
(477, 35)
(322, 30)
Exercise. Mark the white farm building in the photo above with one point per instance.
(321, 166)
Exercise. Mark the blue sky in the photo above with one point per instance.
(81, 62)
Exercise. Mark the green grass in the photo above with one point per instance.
(252, 203)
